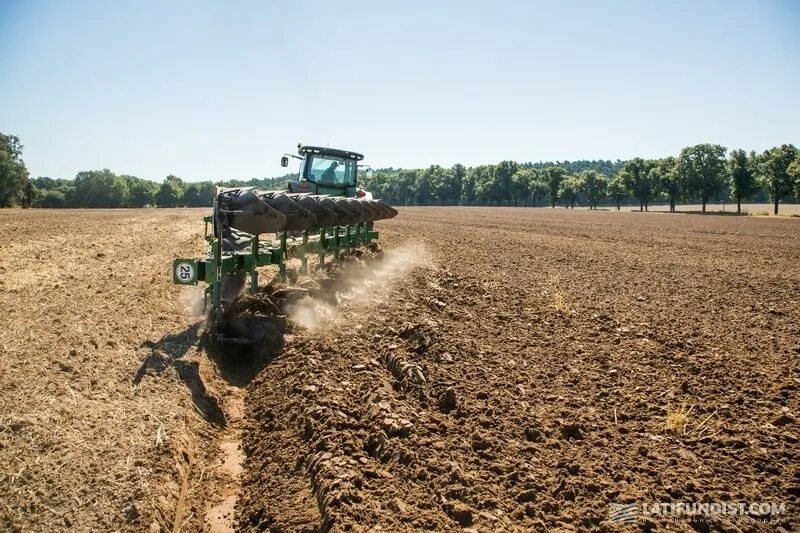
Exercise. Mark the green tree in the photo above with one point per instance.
(794, 172)
(455, 181)
(424, 186)
(100, 188)
(200, 194)
(169, 194)
(742, 177)
(405, 186)
(13, 173)
(442, 183)
(704, 169)
(538, 187)
(29, 194)
(44, 183)
(553, 177)
(671, 180)
(63, 192)
(179, 182)
(504, 172)
(570, 189)
(640, 182)
(141, 193)
(55, 193)
(52, 198)
(521, 183)
(617, 190)
(377, 184)
(595, 185)
(774, 174)
(468, 192)
(486, 187)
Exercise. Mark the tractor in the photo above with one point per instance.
(327, 171)
(324, 213)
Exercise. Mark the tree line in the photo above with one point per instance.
(103, 188)
(702, 173)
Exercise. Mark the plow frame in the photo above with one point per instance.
(264, 252)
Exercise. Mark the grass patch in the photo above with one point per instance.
(678, 420)
(559, 303)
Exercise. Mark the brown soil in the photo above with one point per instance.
(109, 407)
(497, 369)
(543, 365)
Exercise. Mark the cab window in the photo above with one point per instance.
(331, 170)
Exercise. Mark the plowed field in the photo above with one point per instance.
(496, 369)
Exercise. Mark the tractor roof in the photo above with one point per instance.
(305, 150)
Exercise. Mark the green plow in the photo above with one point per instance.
(249, 229)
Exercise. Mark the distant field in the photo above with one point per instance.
(751, 209)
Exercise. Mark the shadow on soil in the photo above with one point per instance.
(236, 364)
(709, 213)
(695, 212)
(257, 319)
(170, 350)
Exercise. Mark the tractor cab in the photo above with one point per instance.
(325, 171)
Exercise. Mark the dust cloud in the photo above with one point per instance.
(360, 285)
(191, 299)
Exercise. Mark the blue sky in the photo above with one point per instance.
(222, 89)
